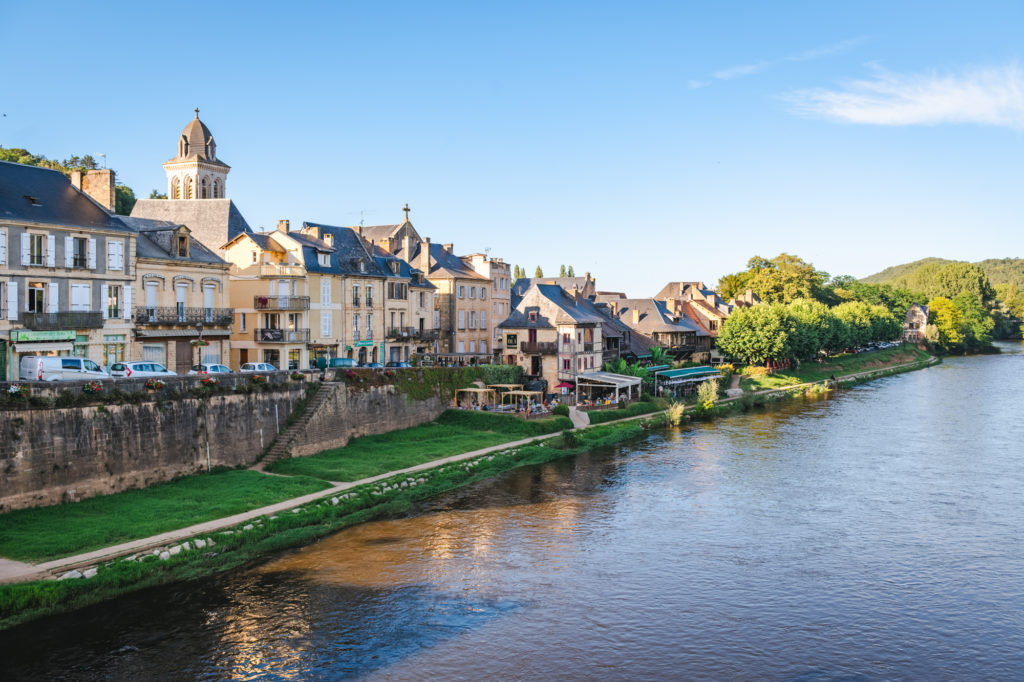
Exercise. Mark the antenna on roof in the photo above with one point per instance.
(487, 251)
(360, 218)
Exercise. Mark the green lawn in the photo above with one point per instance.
(53, 532)
(839, 366)
(453, 433)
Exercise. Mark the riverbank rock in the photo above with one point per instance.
(70, 575)
(165, 555)
(90, 572)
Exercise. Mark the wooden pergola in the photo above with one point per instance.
(479, 393)
(519, 395)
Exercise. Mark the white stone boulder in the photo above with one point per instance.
(70, 575)
(90, 572)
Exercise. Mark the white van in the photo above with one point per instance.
(49, 368)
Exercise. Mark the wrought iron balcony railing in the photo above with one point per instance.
(540, 347)
(281, 302)
(188, 317)
(64, 319)
(268, 335)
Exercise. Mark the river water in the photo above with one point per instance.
(876, 534)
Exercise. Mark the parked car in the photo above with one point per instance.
(257, 367)
(210, 369)
(371, 365)
(397, 365)
(52, 368)
(123, 370)
(341, 363)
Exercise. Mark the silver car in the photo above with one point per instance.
(257, 367)
(145, 370)
(210, 369)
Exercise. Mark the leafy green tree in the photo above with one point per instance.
(538, 272)
(857, 316)
(155, 194)
(731, 286)
(124, 199)
(959, 278)
(660, 357)
(810, 325)
(948, 321)
(561, 272)
(976, 322)
(572, 273)
(754, 335)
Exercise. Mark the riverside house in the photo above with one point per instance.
(665, 329)
(554, 336)
(914, 323)
(67, 267)
(183, 313)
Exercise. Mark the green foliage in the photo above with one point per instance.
(674, 414)
(156, 194)
(731, 286)
(626, 411)
(538, 272)
(707, 393)
(560, 410)
(754, 334)
(782, 279)
(571, 273)
(561, 271)
(124, 199)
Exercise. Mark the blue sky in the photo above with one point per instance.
(643, 142)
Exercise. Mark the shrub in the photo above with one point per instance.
(674, 414)
(631, 410)
(560, 411)
(754, 371)
(707, 393)
(569, 439)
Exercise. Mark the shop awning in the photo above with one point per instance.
(609, 379)
(30, 347)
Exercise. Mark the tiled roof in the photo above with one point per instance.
(155, 240)
(553, 307)
(654, 317)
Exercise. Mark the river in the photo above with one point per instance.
(875, 534)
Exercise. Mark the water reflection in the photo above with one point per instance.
(876, 534)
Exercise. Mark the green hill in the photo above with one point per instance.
(915, 276)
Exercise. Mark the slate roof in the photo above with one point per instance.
(156, 240)
(554, 306)
(346, 251)
(654, 317)
(195, 213)
(443, 264)
(568, 283)
(53, 200)
(198, 135)
(405, 271)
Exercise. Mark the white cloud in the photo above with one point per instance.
(989, 96)
(806, 55)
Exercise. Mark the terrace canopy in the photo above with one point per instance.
(479, 393)
(689, 375)
(520, 396)
(608, 380)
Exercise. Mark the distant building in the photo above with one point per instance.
(914, 323)
(586, 286)
(197, 191)
(653, 319)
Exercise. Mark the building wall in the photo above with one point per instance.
(110, 341)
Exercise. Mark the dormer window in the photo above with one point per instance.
(394, 267)
(324, 259)
(532, 316)
(362, 266)
(182, 246)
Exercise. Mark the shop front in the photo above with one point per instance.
(43, 342)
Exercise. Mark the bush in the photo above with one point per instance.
(560, 411)
(624, 411)
(674, 414)
(707, 394)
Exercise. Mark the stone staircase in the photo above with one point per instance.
(281, 448)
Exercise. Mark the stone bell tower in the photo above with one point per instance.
(196, 172)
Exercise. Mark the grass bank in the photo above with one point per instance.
(454, 432)
(837, 366)
(45, 533)
(20, 602)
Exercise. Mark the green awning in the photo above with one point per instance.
(689, 372)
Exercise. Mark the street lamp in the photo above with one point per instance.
(199, 346)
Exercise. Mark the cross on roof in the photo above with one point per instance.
(406, 209)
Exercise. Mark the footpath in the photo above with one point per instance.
(16, 571)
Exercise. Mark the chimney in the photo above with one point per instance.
(449, 248)
(97, 184)
(636, 316)
(425, 259)
(406, 245)
(614, 305)
(586, 276)
(328, 239)
(282, 225)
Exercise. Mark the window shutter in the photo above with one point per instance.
(325, 324)
(25, 249)
(12, 300)
(3, 247)
(127, 301)
(92, 254)
(54, 303)
(104, 297)
(51, 251)
(483, 319)
(69, 255)
(119, 255)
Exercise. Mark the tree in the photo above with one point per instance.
(948, 322)
(731, 286)
(561, 272)
(958, 278)
(124, 199)
(753, 335)
(572, 273)
(660, 357)
(155, 194)
(976, 322)
(857, 316)
(538, 273)
(785, 278)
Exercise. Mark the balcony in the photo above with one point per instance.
(267, 335)
(425, 334)
(539, 347)
(401, 332)
(281, 302)
(187, 317)
(65, 319)
(281, 270)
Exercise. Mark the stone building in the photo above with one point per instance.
(463, 314)
(500, 274)
(586, 286)
(183, 299)
(652, 318)
(67, 268)
(914, 323)
(553, 335)
(197, 191)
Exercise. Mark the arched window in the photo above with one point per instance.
(204, 189)
(216, 189)
(175, 188)
(188, 188)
